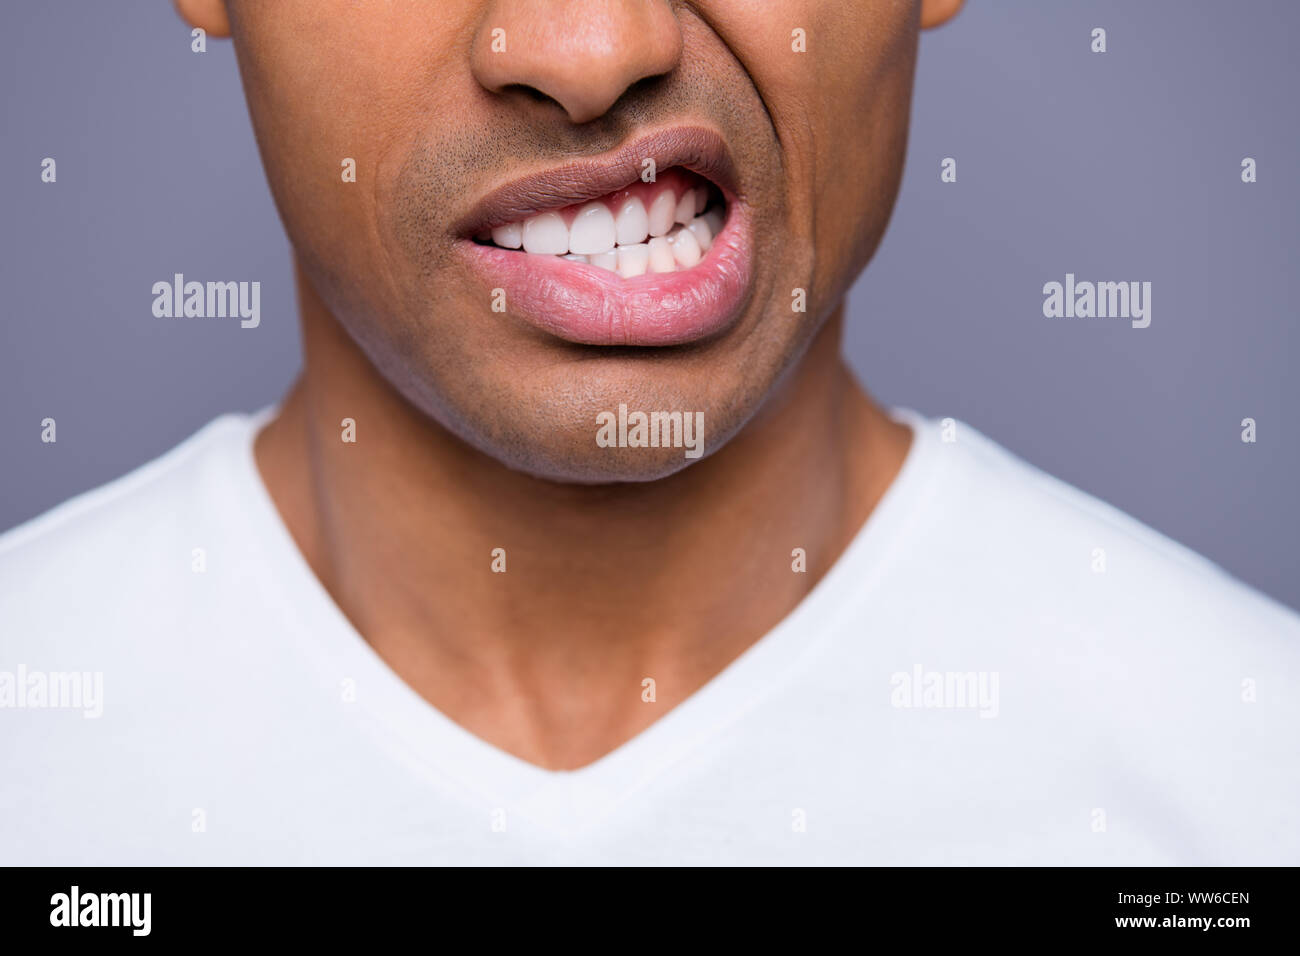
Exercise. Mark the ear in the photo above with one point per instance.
(936, 12)
(208, 14)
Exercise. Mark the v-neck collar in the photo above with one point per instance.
(563, 801)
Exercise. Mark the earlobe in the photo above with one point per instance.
(936, 12)
(208, 14)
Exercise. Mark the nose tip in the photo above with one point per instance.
(581, 54)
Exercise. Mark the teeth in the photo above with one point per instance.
(509, 237)
(592, 231)
(686, 249)
(703, 234)
(661, 213)
(546, 234)
(661, 255)
(632, 225)
(633, 260)
(685, 210)
(671, 235)
(606, 260)
(714, 220)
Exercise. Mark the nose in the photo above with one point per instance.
(583, 54)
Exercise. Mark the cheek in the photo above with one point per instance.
(315, 98)
(853, 125)
(326, 136)
(864, 100)
(836, 81)
(860, 166)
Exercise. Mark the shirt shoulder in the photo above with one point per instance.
(119, 551)
(1133, 682)
(1067, 556)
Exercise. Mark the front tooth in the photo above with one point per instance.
(576, 258)
(703, 234)
(632, 225)
(661, 255)
(685, 210)
(546, 234)
(633, 260)
(701, 200)
(606, 260)
(661, 212)
(509, 236)
(593, 230)
(686, 249)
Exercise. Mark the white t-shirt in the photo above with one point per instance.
(999, 670)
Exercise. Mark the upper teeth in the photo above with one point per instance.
(678, 230)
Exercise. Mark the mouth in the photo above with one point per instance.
(648, 245)
(664, 226)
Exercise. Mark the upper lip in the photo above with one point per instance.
(697, 148)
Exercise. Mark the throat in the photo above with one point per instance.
(533, 613)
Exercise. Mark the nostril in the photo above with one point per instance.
(583, 55)
(531, 93)
(576, 111)
(643, 89)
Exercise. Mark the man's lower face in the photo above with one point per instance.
(613, 317)
(609, 300)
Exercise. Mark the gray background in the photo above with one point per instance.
(1115, 166)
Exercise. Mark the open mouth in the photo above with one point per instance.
(590, 253)
(664, 226)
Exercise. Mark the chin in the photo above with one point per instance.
(580, 461)
(632, 438)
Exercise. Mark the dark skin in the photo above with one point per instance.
(475, 430)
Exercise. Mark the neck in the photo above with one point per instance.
(603, 585)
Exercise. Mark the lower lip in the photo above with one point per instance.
(589, 305)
